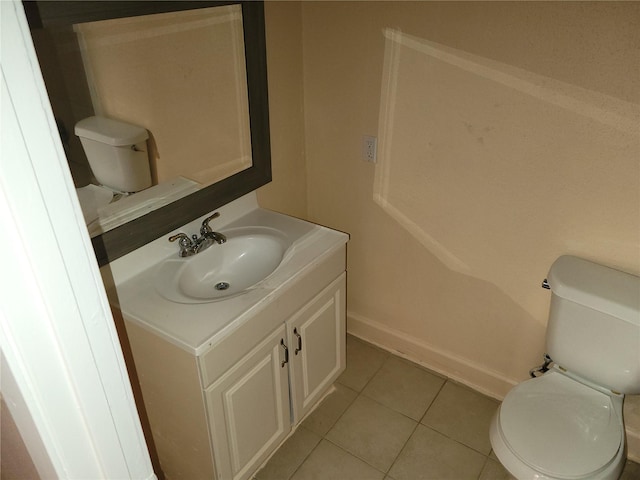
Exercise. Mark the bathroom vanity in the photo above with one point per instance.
(227, 377)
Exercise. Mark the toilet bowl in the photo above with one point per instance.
(555, 427)
(92, 199)
(568, 422)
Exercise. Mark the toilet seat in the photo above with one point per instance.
(560, 427)
(92, 198)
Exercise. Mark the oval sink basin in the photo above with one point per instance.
(249, 255)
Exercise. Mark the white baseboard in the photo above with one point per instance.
(455, 367)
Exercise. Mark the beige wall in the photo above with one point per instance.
(508, 135)
(507, 138)
(287, 192)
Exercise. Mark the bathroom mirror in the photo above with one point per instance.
(193, 191)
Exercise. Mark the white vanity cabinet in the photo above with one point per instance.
(254, 405)
(316, 336)
(225, 382)
(221, 411)
(248, 408)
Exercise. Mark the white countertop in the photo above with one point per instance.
(195, 327)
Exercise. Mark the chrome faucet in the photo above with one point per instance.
(195, 244)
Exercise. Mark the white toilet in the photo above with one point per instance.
(117, 155)
(567, 423)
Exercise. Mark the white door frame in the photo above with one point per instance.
(64, 377)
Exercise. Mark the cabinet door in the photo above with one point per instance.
(249, 409)
(317, 346)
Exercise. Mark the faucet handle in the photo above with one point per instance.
(187, 245)
(205, 223)
(183, 239)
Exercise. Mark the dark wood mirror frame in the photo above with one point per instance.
(136, 233)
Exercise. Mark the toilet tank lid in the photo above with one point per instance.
(111, 132)
(598, 287)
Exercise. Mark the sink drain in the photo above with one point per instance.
(222, 286)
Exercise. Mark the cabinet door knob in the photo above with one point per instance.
(299, 347)
(286, 353)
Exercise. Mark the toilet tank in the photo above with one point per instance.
(117, 153)
(594, 323)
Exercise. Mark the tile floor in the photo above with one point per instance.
(390, 419)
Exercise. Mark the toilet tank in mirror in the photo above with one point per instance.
(117, 153)
(190, 73)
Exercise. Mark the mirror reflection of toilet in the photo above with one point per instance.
(567, 423)
(117, 155)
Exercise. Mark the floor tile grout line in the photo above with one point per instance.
(323, 436)
(457, 441)
(446, 379)
(400, 413)
(355, 456)
(402, 449)
(486, 461)
(434, 399)
(387, 356)
(305, 458)
(361, 393)
(417, 423)
(398, 355)
(364, 395)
